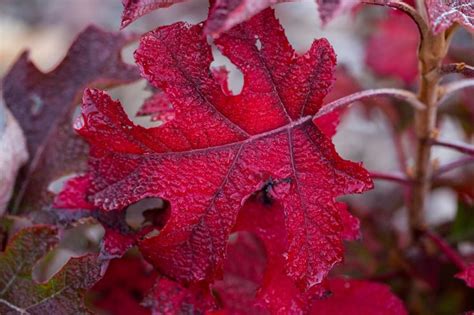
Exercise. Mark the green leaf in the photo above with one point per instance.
(62, 294)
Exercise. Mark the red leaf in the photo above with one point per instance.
(467, 275)
(123, 287)
(158, 107)
(133, 9)
(169, 297)
(71, 205)
(253, 281)
(260, 289)
(396, 38)
(355, 297)
(221, 148)
(44, 104)
(442, 14)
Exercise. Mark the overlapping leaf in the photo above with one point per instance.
(357, 297)
(133, 9)
(467, 275)
(442, 14)
(62, 294)
(123, 287)
(44, 103)
(225, 14)
(221, 148)
(70, 205)
(170, 297)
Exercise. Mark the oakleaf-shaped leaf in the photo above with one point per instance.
(62, 294)
(219, 149)
(44, 105)
(442, 14)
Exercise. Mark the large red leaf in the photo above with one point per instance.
(442, 14)
(221, 148)
(356, 297)
(44, 103)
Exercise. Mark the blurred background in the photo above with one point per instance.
(376, 47)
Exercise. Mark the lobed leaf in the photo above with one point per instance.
(44, 105)
(219, 149)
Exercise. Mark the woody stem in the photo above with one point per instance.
(433, 48)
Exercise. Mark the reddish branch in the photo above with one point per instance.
(453, 165)
(456, 145)
(394, 177)
(403, 95)
(460, 67)
(446, 249)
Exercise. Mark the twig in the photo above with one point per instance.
(394, 177)
(456, 145)
(460, 68)
(453, 165)
(403, 95)
(446, 249)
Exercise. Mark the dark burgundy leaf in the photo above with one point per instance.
(44, 103)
